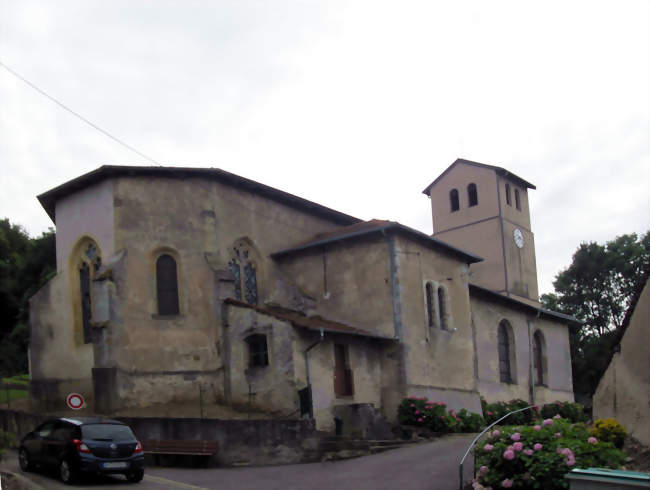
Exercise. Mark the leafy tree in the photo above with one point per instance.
(25, 265)
(597, 288)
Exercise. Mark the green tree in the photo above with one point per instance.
(25, 265)
(597, 288)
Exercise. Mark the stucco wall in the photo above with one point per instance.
(350, 282)
(624, 390)
(486, 316)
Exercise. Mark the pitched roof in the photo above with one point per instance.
(48, 199)
(494, 296)
(373, 226)
(299, 319)
(500, 170)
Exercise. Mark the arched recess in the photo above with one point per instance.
(506, 353)
(246, 268)
(540, 366)
(472, 195)
(444, 310)
(167, 282)
(83, 263)
(453, 200)
(430, 301)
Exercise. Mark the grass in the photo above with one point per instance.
(21, 379)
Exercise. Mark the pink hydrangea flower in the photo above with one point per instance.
(528, 452)
(488, 447)
(592, 440)
(412, 405)
(537, 447)
(516, 436)
(495, 433)
(509, 454)
(558, 434)
(507, 483)
(537, 427)
(558, 416)
(483, 470)
(417, 412)
(420, 419)
(490, 413)
(547, 422)
(525, 476)
(517, 446)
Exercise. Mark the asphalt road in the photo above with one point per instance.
(426, 466)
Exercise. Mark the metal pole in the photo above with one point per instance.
(460, 469)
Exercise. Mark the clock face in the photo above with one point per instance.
(519, 237)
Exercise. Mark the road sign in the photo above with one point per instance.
(75, 401)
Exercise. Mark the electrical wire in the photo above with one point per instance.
(63, 106)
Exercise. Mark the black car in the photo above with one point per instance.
(83, 445)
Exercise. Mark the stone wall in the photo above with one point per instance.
(255, 442)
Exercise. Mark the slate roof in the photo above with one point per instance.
(499, 170)
(300, 320)
(48, 199)
(475, 289)
(375, 226)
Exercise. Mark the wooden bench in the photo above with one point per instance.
(163, 448)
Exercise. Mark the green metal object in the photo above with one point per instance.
(605, 479)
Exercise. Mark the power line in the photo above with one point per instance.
(63, 106)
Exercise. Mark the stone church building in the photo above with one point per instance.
(171, 279)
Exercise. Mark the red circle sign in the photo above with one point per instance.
(75, 401)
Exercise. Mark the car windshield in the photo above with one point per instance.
(107, 432)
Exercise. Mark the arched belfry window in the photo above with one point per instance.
(472, 195)
(508, 196)
(539, 358)
(244, 271)
(88, 263)
(506, 352)
(453, 200)
(167, 285)
(517, 200)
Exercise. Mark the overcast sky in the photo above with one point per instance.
(355, 105)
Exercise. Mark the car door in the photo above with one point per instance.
(34, 441)
(56, 443)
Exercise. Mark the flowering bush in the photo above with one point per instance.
(534, 457)
(494, 411)
(574, 412)
(609, 430)
(421, 412)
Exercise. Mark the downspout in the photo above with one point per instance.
(531, 361)
(311, 405)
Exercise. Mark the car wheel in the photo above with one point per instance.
(66, 472)
(25, 461)
(135, 476)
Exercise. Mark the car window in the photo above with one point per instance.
(107, 432)
(62, 432)
(46, 429)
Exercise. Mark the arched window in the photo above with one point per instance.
(539, 361)
(472, 195)
(244, 273)
(430, 309)
(167, 285)
(442, 307)
(88, 263)
(508, 196)
(517, 200)
(506, 352)
(453, 198)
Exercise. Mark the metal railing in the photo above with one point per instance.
(460, 467)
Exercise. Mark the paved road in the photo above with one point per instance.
(428, 466)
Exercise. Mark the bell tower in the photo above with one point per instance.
(484, 209)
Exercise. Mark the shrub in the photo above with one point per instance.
(609, 430)
(572, 411)
(539, 455)
(494, 411)
(434, 416)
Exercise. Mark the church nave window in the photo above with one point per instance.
(244, 271)
(472, 195)
(167, 285)
(453, 198)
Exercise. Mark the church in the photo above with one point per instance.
(175, 283)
